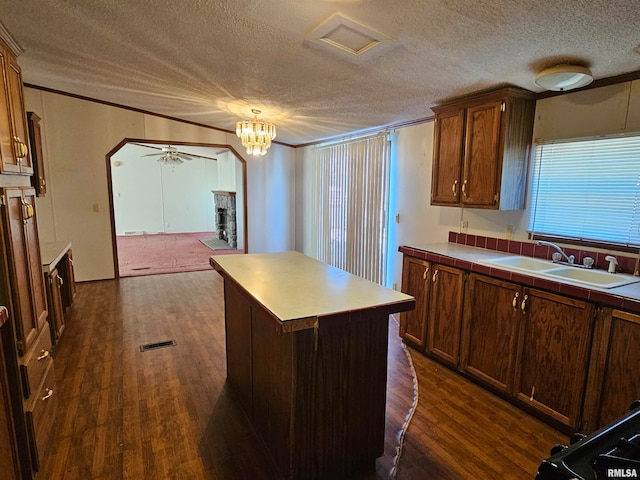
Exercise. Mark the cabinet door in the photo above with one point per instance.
(415, 282)
(481, 156)
(445, 313)
(18, 116)
(490, 331)
(69, 280)
(553, 351)
(25, 268)
(54, 302)
(447, 157)
(35, 142)
(9, 162)
(34, 258)
(621, 376)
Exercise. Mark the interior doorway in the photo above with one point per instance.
(173, 205)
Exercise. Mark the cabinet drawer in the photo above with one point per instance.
(40, 416)
(36, 362)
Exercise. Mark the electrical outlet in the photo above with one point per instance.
(395, 286)
(464, 225)
(509, 231)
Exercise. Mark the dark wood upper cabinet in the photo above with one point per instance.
(38, 180)
(14, 137)
(481, 150)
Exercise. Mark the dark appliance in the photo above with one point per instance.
(611, 452)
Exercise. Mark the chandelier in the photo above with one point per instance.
(256, 135)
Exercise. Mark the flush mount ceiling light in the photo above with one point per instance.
(564, 77)
(256, 135)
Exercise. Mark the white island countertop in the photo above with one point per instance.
(293, 286)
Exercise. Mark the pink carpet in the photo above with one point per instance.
(165, 253)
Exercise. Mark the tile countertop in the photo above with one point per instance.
(52, 252)
(626, 297)
(293, 286)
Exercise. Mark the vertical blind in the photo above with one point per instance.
(587, 190)
(351, 195)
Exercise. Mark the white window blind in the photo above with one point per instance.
(351, 184)
(587, 190)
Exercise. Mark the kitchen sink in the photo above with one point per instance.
(596, 278)
(521, 263)
(554, 271)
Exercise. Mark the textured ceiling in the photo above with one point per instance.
(212, 61)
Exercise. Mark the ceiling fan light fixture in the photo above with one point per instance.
(256, 135)
(564, 77)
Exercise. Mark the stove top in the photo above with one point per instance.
(611, 452)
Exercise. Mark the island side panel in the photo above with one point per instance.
(273, 387)
(341, 395)
(237, 314)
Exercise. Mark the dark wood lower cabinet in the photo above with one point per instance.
(553, 354)
(490, 331)
(614, 376)
(54, 285)
(415, 282)
(445, 313)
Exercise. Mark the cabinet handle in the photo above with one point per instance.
(27, 211)
(43, 354)
(48, 393)
(533, 391)
(464, 188)
(514, 302)
(523, 305)
(424, 275)
(454, 188)
(20, 148)
(59, 280)
(435, 276)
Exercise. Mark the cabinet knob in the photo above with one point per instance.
(43, 354)
(47, 394)
(514, 302)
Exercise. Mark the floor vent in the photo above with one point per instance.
(154, 346)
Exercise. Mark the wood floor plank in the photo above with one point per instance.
(169, 414)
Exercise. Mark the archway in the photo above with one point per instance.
(164, 212)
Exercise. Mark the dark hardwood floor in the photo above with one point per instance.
(167, 413)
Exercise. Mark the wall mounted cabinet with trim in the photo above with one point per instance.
(481, 150)
(14, 149)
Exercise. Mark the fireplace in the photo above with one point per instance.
(225, 208)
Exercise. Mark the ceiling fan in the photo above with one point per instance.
(169, 155)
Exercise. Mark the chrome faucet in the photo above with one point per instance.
(559, 253)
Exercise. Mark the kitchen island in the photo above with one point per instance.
(307, 359)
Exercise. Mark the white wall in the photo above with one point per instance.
(77, 134)
(151, 197)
